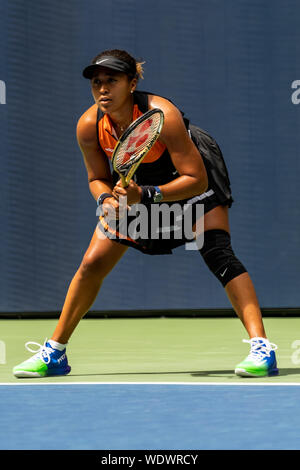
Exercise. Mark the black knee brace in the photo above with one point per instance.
(219, 256)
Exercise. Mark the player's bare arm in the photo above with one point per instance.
(99, 176)
(185, 156)
(97, 166)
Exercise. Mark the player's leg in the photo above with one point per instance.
(240, 289)
(100, 258)
(50, 358)
(218, 254)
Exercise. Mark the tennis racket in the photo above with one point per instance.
(135, 143)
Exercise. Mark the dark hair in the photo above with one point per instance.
(136, 67)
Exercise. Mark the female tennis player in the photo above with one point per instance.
(184, 166)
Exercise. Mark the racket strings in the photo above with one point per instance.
(139, 139)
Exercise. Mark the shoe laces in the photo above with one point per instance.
(43, 352)
(260, 348)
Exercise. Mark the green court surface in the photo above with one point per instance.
(182, 350)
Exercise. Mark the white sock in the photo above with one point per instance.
(56, 345)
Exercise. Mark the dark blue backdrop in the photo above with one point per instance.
(230, 66)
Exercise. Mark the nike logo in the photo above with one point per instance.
(100, 61)
(61, 358)
(109, 150)
(223, 274)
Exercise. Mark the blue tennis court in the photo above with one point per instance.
(149, 416)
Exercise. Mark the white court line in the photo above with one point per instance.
(197, 384)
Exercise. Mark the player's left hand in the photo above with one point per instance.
(133, 192)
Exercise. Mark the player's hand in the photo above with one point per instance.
(133, 192)
(112, 210)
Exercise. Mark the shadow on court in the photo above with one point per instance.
(282, 372)
(203, 373)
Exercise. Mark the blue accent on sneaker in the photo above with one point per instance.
(58, 363)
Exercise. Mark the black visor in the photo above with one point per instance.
(109, 62)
